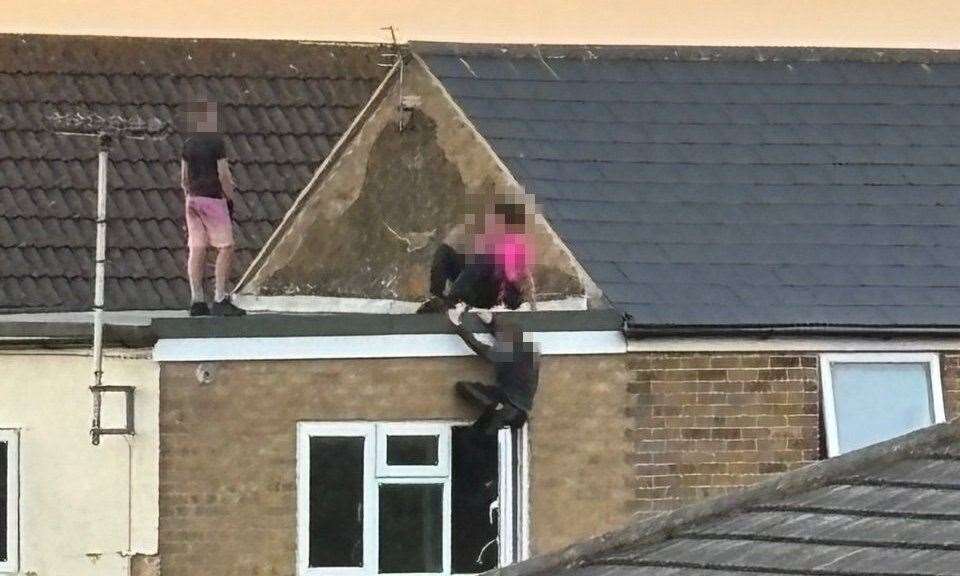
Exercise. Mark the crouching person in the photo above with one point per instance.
(516, 367)
(494, 267)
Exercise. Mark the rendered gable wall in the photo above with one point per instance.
(369, 225)
(84, 509)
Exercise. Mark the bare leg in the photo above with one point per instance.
(222, 272)
(195, 272)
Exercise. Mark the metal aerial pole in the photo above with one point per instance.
(100, 264)
(106, 130)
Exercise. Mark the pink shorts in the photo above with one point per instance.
(208, 222)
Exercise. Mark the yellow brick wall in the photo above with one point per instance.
(228, 465)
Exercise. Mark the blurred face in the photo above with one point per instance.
(513, 217)
(202, 116)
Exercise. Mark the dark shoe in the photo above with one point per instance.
(433, 305)
(226, 308)
(199, 309)
(503, 415)
(483, 394)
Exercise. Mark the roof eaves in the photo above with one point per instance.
(641, 331)
(357, 324)
(659, 528)
(71, 335)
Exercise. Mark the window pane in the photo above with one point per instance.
(876, 402)
(336, 501)
(475, 485)
(412, 450)
(411, 528)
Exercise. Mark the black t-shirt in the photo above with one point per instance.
(201, 151)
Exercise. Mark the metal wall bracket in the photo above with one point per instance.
(95, 430)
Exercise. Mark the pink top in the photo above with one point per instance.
(513, 254)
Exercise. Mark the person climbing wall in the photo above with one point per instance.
(516, 366)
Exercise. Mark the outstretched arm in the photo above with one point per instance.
(482, 350)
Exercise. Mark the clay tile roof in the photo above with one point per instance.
(282, 105)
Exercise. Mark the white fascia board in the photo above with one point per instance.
(383, 346)
(791, 344)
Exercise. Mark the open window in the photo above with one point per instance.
(9, 501)
(869, 398)
(405, 498)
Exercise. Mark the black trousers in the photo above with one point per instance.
(476, 284)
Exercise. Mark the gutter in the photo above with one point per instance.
(641, 331)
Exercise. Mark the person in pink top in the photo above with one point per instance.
(495, 268)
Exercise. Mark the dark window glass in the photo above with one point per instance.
(336, 501)
(3, 501)
(413, 450)
(475, 486)
(411, 528)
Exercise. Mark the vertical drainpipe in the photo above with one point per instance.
(103, 142)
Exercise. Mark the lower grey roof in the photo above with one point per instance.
(890, 509)
(735, 186)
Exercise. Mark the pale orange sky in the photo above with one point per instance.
(887, 23)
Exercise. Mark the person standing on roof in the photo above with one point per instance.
(516, 366)
(485, 269)
(208, 185)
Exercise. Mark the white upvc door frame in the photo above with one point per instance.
(505, 499)
(11, 438)
(931, 359)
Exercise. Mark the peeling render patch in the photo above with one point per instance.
(367, 229)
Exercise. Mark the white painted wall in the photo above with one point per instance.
(76, 500)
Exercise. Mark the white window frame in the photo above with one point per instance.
(931, 359)
(447, 519)
(370, 502)
(12, 439)
(375, 434)
(441, 431)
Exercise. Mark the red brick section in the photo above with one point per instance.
(950, 378)
(705, 424)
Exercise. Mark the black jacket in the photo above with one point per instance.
(517, 368)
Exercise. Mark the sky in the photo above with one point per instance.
(863, 23)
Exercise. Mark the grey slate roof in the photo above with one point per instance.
(735, 186)
(283, 107)
(889, 509)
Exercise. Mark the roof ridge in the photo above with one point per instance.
(689, 53)
(172, 75)
(178, 39)
(658, 528)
